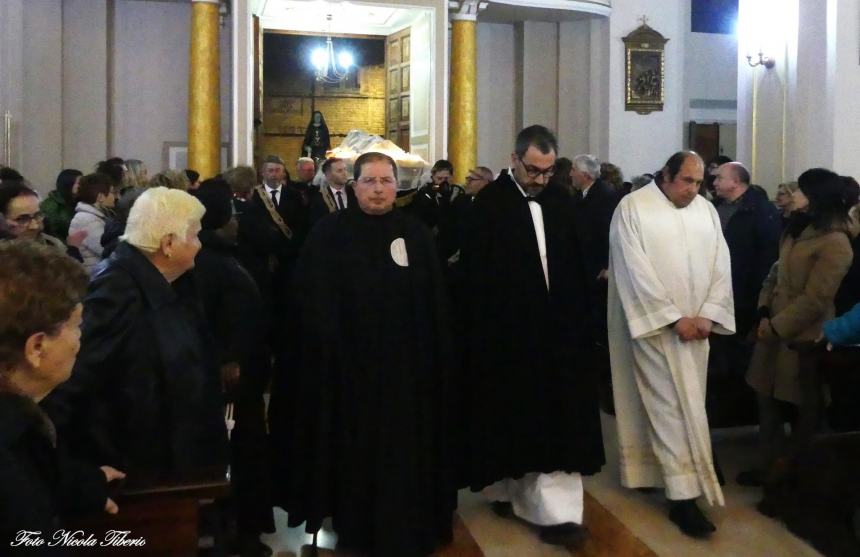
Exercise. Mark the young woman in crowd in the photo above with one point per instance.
(796, 299)
(96, 197)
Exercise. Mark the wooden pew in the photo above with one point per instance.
(163, 512)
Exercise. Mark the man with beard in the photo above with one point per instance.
(533, 424)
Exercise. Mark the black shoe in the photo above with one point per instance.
(567, 534)
(647, 489)
(750, 478)
(690, 519)
(768, 507)
(502, 509)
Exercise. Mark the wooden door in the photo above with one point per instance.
(258, 92)
(705, 140)
(398, 53)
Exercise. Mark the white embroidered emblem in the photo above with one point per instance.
(398, 252)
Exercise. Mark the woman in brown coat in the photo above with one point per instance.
(795, 300)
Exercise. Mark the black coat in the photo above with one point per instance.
(849, 291)
(592, 216)
(752, 235)
(37, 484)
(360, 424)
(269, 255)
(145, 392)
(234, 314)
(318, 208)
(532, 399)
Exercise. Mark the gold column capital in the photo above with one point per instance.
(204, 88)
(467, 10)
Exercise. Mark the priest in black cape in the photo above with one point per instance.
(533, 424)
(360, 426)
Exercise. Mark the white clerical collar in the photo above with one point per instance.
(522, 191)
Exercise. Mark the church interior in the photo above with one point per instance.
(210, 85)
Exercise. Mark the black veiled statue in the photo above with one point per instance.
(317, 140)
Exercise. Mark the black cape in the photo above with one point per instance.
(531, 397)
(359, 426)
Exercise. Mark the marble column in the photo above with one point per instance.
(204, 103)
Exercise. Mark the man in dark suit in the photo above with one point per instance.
(271, 231)
(594, 204)
(334, 195)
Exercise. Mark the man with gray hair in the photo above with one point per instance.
(594, 202)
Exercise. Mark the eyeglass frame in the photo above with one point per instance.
(28, 219)
(532, 172)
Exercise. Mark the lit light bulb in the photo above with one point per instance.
(345, 59)
(319, 58)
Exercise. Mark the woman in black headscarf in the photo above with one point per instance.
(317, 140)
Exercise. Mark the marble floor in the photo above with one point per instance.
(622, 523)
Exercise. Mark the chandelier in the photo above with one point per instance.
(331, 69)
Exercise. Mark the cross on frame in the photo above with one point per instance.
(644, 20)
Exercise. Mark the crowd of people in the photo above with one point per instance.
(412, 342)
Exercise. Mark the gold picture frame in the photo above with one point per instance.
(644, 70)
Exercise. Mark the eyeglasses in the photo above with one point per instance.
(534, 172)
(370, 180)
(475, 179)
(25, 220)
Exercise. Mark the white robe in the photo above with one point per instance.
(665, 263)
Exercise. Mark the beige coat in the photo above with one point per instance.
(799, 292)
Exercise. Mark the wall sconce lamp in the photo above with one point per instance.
(763, 60)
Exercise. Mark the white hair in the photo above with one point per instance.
(159, 212)
(588, 164)
(304, 160)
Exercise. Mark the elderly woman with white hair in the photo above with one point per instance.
(145, 392)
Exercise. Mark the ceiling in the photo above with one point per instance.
(347, 17)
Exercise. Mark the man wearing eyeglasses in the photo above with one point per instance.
(24, 219)
(526, 320)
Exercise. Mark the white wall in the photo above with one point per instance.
(421, 64)
(711, 77)
(12, 70)
(496, 129)
(41, 120)
(574, 89)
(642, 143)
(85, 79)
(553, 74)
(540, 74)
(803, 112)
(150, 96)
(69, 110)
(846, 133)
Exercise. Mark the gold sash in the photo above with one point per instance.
(329, 199)
(267, 201)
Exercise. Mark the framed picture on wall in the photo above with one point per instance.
(644, 77)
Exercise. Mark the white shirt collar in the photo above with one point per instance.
(522, 191)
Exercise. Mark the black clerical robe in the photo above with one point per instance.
(360, 425)
(531, 399)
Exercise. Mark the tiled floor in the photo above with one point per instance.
(626, 523)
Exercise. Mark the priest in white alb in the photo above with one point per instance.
(670, 286)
